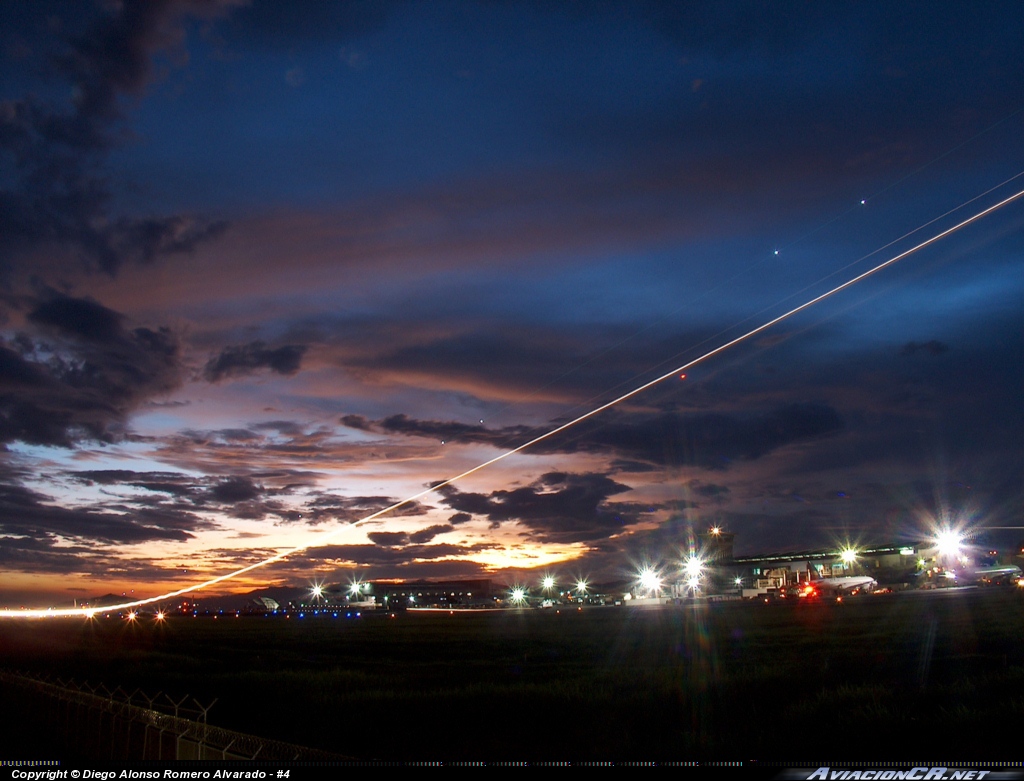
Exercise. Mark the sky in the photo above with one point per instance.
(267, 269)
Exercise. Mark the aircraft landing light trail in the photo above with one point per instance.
(39, 613)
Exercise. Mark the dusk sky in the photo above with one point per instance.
(268, 267)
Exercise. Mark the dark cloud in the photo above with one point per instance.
(79, 318)
(389, 539)
(402, 539)
(249, 358)
(83, 378)
(447, 431)
(237, 496)
(710, 490)
(172, 483)
(42, 554)
(558, 507)
(398, 557)
(426, 535)
(283, 452)
(56, 192)
(285, 427)
(235, 489)
(709, 440)
(358, 422)
(349, 509)
(631, 467)
(27, 513)
(236, 434)
(145, 240)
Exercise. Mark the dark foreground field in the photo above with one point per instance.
(897, 677)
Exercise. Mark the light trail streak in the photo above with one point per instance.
(41, 613)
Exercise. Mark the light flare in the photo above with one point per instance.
(649, 580)
(949, 541)
(694, 567)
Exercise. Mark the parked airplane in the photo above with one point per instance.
(850, 584)
(996, 576)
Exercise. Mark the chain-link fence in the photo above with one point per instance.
(96, 723)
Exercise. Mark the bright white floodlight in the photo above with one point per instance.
(649, 580)
(693, 567)
(353, 590)
(948, 542)
(518, 595)
(848, 556)
(581, 586)
(548, 583)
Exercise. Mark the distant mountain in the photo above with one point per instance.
(281, 594)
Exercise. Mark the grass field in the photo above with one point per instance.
(896, 677)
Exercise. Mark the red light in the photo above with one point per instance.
(682, 376)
